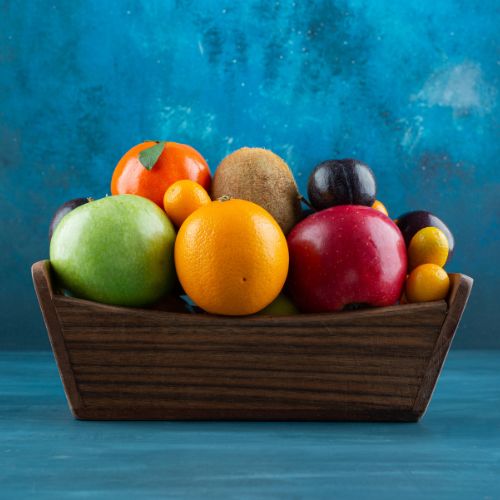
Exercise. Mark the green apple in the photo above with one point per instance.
(280, 306)
(116, 250)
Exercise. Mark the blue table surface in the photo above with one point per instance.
(454, 452)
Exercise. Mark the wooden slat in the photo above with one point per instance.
(254, 361)
(232, 399)
(238, 377)
(106, 409)
(76, 312)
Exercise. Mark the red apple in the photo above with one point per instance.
(348, 254)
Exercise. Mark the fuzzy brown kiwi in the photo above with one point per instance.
(259, 175)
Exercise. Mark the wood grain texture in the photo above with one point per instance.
(373, 364)
(459, 295)
(45, 293)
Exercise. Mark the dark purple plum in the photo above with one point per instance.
(64, 209)
(307, 212)
(341, 182)
(412, 222)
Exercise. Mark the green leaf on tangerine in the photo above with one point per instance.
(148, 157)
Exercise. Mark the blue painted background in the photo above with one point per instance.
(408, 87)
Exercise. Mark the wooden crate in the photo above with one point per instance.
(379, 364)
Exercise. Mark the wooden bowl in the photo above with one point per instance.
(377, 364)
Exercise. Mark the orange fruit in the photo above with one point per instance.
(428, 246)
(231, 257)
(182, 198)
(378, 205)
(149, 172)
(426, 283)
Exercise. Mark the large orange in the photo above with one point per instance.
(231, 257)
(176, 162)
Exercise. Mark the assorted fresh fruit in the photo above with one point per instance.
(242, 244)
(412, 222)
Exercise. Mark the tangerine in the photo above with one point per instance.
(182, 198)
(428, 246)
(378, 205)
(426, 283)
(150, 167)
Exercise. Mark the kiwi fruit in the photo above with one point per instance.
(260, 176)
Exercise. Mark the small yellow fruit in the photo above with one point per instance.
(182, 198)
(428, 246)
(378, 205)
(426, 283)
